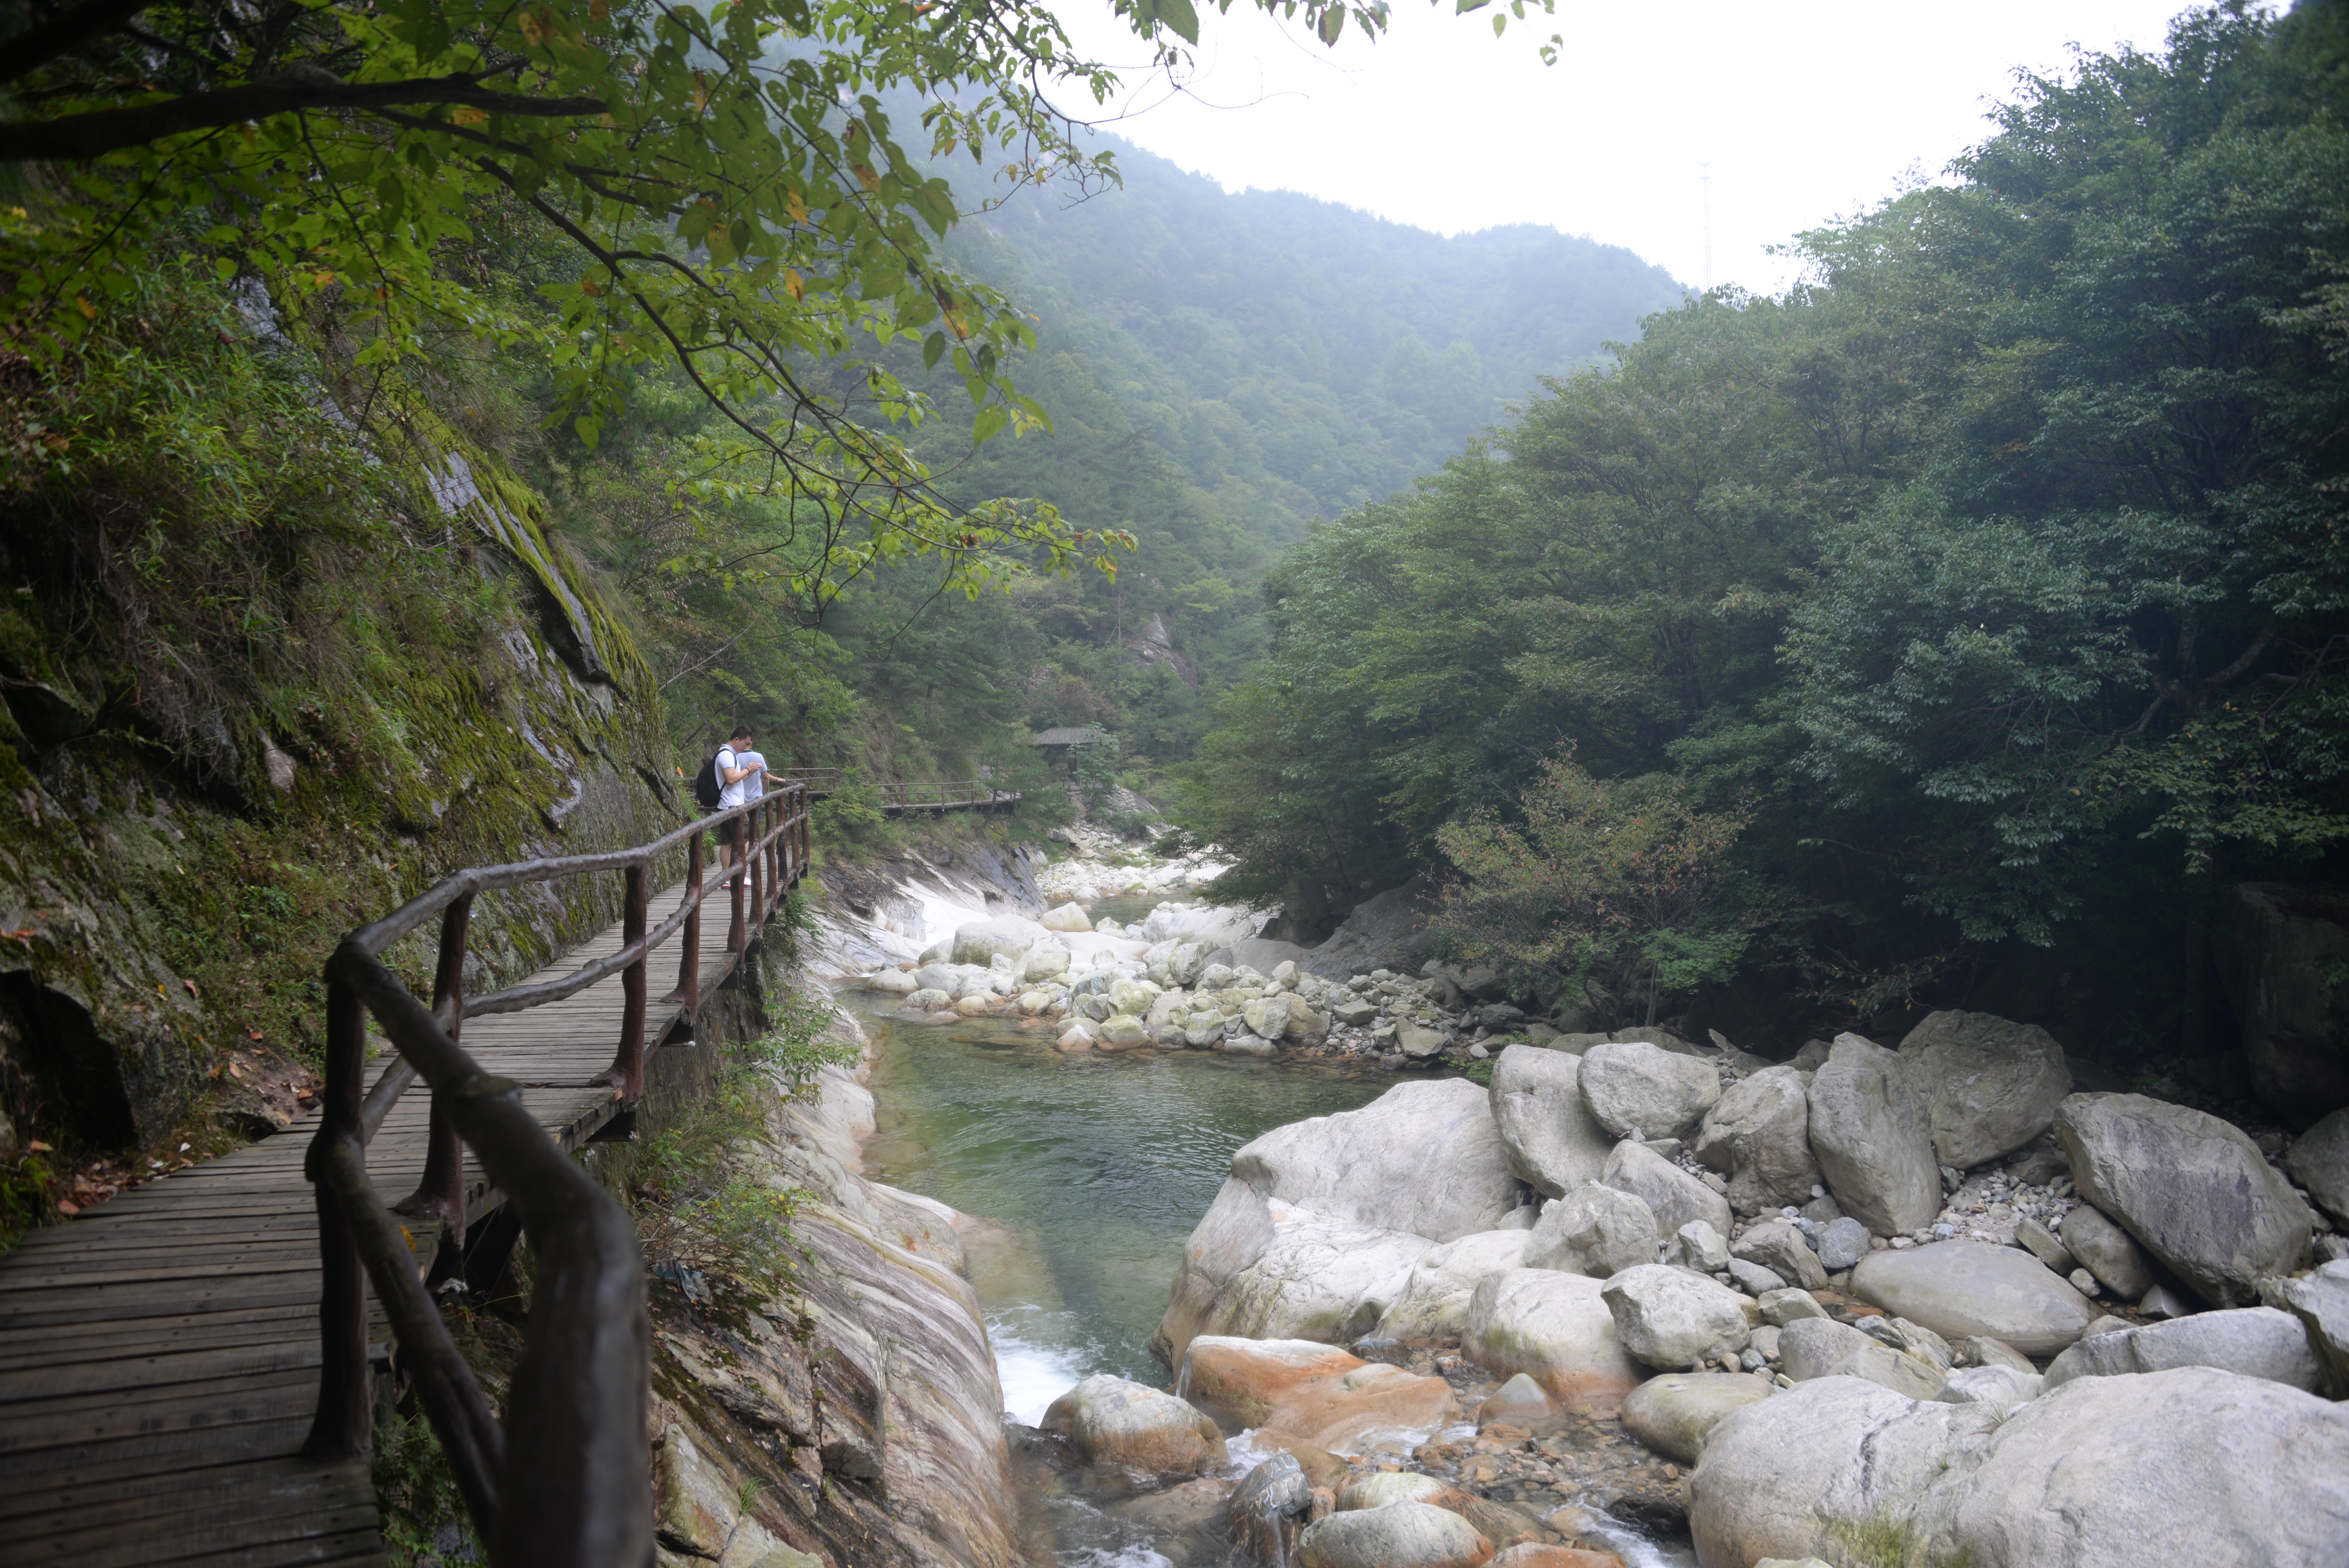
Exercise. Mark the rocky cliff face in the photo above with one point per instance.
(179, 849)
(857, 1419)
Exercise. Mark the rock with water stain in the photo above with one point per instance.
(1264, 1516)
(1317, 1393)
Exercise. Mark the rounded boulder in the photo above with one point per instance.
(1399, 1535)
(1634, 1086)
(1116, 1421)
(1674, 1413)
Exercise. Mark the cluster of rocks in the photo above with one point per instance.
(1764, 1271)
(1189, 988)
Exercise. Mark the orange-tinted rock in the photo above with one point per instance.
(1328, 1397)
(1533, 1554)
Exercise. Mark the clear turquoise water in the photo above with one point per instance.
(1094, 1168)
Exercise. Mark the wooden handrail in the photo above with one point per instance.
(564, 1481)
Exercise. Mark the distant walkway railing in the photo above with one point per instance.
(563, 1480)
(961, 794)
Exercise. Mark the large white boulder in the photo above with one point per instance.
(2193, 1190)
(2103, 1473)
(1066, 917)
(1637, 1087)
(1553, 1327)
(1593, 1230)
(2254, 1341)
(1961, 1289)
(1548, 1134)
(1671, 1194)
(1263, 1269)
(1434, 1305)
(979, 941)
(1990, 1085)
(1668, 1318)
(1758, 1135)
(1424, 1156)
(1873, 1135)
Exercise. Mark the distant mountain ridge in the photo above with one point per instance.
(1313, 352)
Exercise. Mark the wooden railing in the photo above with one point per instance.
(823, 781)
(563, 1480)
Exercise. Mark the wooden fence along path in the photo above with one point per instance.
(161, 1364)
(961, 794)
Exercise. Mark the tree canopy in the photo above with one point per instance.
(1999, 565)
(734, 192)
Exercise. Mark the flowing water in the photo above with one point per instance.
(1094, 1168)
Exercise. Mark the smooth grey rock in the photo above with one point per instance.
(1873, 1136)
(1959, 1289)
(1764, 1340)
(1548, 1133)
(1434, 1304)
(1842, 1244)
(2100, 1473)
(1758, 1135)
(1668, 1318)
(2107, 1251)
(2254, 1341)
(1781, 1307)
(1554, 1327)
(982, 940)
(2163, 1302)
(1983, 1351)
(2319, 1160)
(1752, 1278)
(1990, 1086)
(1914, 1338)
(1595, 1230)
(2193, 1191)
(1639, 1086)
(1812, 1347)
(1116, 1421)
(2000, 1387)
(2040, 1243)
(2320, 1302)
(1697, 1246)
(1672, 1193)
(1778, 1246)
(1424, 1158)
(2280, 949)
(1673, 1413)
(1399, 1535)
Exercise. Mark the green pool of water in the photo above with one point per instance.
(1094, 1168)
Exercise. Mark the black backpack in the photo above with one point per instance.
(707, 789)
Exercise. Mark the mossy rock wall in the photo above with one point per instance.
(444, 691)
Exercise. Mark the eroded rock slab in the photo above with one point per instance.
(1959, 1289)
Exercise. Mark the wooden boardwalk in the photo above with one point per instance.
(159, 1354)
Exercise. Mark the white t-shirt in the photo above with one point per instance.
(752, 785)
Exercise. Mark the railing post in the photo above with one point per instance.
(340, 1428)
(442, 1190)
(627, 1072)
(776, 886)
(738, 837)
(689, 958)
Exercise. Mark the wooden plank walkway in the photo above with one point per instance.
(159, 1354)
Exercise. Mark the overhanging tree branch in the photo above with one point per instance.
(81, 137)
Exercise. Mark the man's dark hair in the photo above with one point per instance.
(741, 732)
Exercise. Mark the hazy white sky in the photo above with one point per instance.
(1804, 111)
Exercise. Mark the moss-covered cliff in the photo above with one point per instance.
(272, 657)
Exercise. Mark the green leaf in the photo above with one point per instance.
(1179, 15)
(1334, 25)
(933, 349)
(989, 424)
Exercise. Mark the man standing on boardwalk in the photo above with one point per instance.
(741, 772)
